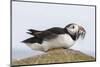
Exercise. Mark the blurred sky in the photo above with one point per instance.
(42, 16)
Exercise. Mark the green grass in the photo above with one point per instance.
(56, 56)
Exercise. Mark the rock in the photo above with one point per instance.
(56, 56)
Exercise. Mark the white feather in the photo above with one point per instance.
(63, 40)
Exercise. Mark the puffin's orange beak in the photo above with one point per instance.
(82, 32)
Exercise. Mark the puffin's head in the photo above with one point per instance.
(75, 31)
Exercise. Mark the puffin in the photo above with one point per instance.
(55, 37)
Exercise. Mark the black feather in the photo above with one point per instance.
(33, 32)
(33, 40)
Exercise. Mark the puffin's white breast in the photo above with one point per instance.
(63, 40)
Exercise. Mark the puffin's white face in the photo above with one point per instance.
(75, 29)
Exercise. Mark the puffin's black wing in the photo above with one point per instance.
(33, 40)
(57, 30)
(47, 35)
(50, 33)
(39, 38)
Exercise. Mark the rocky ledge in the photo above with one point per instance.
(56, 56)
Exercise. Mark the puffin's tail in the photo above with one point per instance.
(33, 32)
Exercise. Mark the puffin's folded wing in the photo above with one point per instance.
(32, 40)
(47, 35)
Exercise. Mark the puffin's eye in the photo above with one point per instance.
(73, 27)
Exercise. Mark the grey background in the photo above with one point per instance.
(43, 16)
